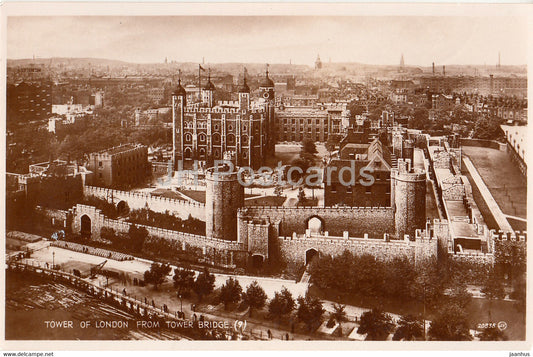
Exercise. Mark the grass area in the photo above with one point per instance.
(503, 178)
(265, 201)
(517, 225)
(198, 196)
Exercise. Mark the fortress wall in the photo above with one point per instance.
(138, 200)
(295, 248)
(357, 221)
(98, 221)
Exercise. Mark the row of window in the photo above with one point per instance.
(216, 127)
(187, 154)
(216, 139)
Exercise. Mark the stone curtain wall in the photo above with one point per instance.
(137, 200)
(294, 248)
(355, 220)
(98, 221)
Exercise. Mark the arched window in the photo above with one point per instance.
(231, 139)
(244, 140)
(216, 139)
(188, 138)
(201, 138)
(188, 153)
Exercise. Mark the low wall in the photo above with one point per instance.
(483, 143)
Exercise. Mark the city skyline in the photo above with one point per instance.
(273, 39)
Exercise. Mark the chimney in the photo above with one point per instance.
(443, 70)
(433, 68)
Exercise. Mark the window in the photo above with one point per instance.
(333, 188)
(100, 163)
(349, 189)
(188, 138)
(201, 138)
(230, 127)
(368, 190)
(216, 127)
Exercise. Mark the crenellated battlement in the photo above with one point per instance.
(215, 110)
(511, 236)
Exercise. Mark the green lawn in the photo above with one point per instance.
(502, 177)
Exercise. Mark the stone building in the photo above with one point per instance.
(29, 101)
(123, 166)
(315, 122)
(206, 131)
(357, 169)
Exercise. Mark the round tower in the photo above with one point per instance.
(223, 197)
(409, 200)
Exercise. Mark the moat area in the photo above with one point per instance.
(33, 301)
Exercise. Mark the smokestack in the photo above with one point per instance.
(433, 68)
(443, 70)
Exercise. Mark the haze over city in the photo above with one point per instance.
(273, 39)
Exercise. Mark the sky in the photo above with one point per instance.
(273, 39)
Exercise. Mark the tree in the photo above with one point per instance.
(137, 236)
(281, 304)
(254, 296)
(376, 324)
(492, 334)
(460, 295)
(301, 196)
(450, 324)
(493, 289)
(230, 292)
(420, 119)
(204, 284)
(157, 274)
(409, 329)
(487, 128)
(310, 311)
(308, 147)
(183, 280)
(339, 313)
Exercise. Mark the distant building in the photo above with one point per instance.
(318, 62)
(29, 101)
(124, 166)
(313, 122)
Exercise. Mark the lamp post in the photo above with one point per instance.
(53, 260)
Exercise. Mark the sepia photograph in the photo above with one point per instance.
(211, 174)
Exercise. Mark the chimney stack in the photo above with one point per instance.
(433, 68)
(443, 70)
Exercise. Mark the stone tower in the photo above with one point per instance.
(409, 199)
(266, 88)
(244, 95)
(208, 92)
(318, 63)
(223, 197)
(179, 97)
